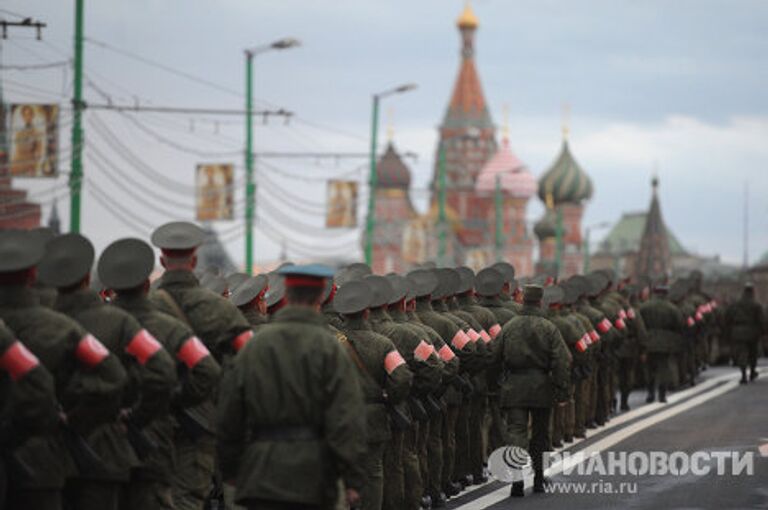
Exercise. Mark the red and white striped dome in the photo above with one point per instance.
(516, 180)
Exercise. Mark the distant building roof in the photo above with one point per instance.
(625, 236)
(391, 172)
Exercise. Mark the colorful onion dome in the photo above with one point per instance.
(515, 179)
(565, 181)
(467, 18)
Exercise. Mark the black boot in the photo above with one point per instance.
(426, 502)
(452, 489)
(753, 374)
(663, 394)
(743, 376)
(625, 401)
(518, 490)
(439, 501)
(651, 395)
(540, 483)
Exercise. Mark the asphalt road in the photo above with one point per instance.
(717, 415)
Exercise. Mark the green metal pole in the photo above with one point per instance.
(586, 251)
(76, 174)
(370, 223)
(559, 240)
(498, 202)
(442, 219)
(249, 185)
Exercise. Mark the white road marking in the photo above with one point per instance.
(615, 438)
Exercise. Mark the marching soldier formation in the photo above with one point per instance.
(307, 388)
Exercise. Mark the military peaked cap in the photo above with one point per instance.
(126, 264)
(448, 280)
(353, 297)
(489, 282)
(423, 282)
(381, 290)
(466, 279)
(400, 287)
(178, 235)
(19, 250)
(68, 259)
(506, 269)
(249, 290)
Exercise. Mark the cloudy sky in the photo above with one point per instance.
(680, 86)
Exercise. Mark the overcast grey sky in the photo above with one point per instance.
(681, 83)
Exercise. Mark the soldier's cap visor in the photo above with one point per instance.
(308, 275)
(276, 291)
(125, 264)
(381, 290)
(67, 260)
(400, 287)
(178, 236)
(249, 290)
(506, 269)
(352, 298)
(235, 279)
(466, 279)
(489, 282)
(423, 282)
(20, 250)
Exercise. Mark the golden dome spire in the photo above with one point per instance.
(467, 18)
(505, 127)
(566, 121)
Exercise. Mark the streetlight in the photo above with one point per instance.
(587, 230)
(372, 180)
(250, 187)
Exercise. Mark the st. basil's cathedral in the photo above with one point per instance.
(487, 189)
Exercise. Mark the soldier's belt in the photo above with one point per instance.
(286, 433)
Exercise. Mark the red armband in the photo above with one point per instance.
(619, 323)
(622, 314)
(690, 322)
(242, 339)
(473, 335)
(631, 313)
(392, 361)
(495, 330)
(581, 345)
(446, 354)
(587, 339)
(192, 351)
(604, 326)
(143, 346)
(485, 336)
(423, 351)
(460, 339)
(17, 360)
(594, 336)
(90, 352)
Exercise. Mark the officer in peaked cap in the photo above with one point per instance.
(382, 373)
(217, 323)
(151, 370)
(40, 331)
(124, 267)
(507, 271)
(489, 284)
(249, 298)
(321, 431)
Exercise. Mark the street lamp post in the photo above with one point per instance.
(587, 230)
(250, 186)
(370, 224)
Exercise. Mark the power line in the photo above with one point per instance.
(188, 110)
(28, 67)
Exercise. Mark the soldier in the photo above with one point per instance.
(223, 330)
(29, 402)
(744, 326)
(124, 268)
(574, 336)
(629, 351)
(151, 373)
(686, 351)
(275, 296)
(509, 288)
(403, 486)
(248, 296)
(292, 420)
(665, 326)
(535, 367)
(89, 380)
(383, 375)
(429, 443)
